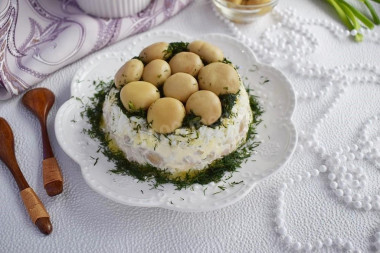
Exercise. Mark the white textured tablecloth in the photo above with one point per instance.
(301, 207)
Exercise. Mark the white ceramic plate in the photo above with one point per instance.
(276, 132)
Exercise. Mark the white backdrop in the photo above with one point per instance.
(326, 198)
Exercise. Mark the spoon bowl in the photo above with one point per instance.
(39, 101)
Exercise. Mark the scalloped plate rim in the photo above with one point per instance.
(245, 189)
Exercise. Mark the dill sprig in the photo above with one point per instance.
(192, 121)
(175, 48)
(228, 101)
(226, 61)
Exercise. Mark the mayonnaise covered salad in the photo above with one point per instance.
(178, 113)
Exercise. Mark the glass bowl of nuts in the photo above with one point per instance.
(244, 11)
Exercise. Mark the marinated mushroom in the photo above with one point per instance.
(138, 95)
(186, 62)
(180, 86)
(131, 71)
(206, 51)
(156, 72)
(219, 78)
(206, 105)
(155, 51)
(166, 115)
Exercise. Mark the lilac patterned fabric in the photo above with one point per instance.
(38, 37)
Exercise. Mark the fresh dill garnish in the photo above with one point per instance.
(137, 58)
(78, 99)
(192, 121)
(167, 137)
(137, 128)
(235, 183)
(264, 80)
(228, 101)
(142, 192)
(146, 172)
(175, 48)
(204, 191)
(221, 187)
(230, 176)
(226, 61)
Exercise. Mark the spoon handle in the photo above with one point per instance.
(7, 154)
(47, 151)
(33, 204)
(37, 212)
(52, 175)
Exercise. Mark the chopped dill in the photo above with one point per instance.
(221, 187)
(192, 121)
(226, 61)
(204, 191)
(229, 177)
(137, 128)
(142, 192)
(235, 183)
(228, 101)
(175, 48)
(137, 58)
(78, 99)
(263, 80)
(167, 137)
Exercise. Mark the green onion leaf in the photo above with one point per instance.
(375, 17)
(368, 23)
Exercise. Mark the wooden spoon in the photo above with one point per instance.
(39, 101)
(33, 204)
